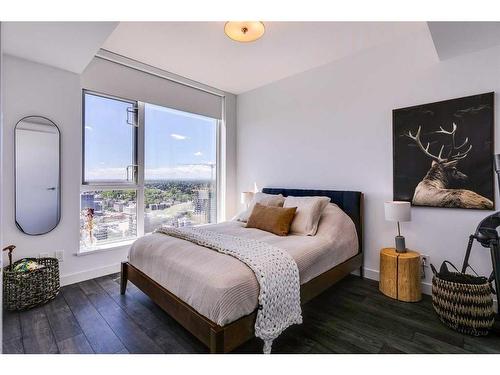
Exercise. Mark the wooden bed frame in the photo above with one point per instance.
(223, 339)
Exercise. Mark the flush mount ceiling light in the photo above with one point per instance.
(244, 31)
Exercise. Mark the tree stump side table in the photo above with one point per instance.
(400, 275)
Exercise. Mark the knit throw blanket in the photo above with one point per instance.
(275, 270)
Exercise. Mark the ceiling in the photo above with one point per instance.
(53, 43)
(452, 39)
(202, 52)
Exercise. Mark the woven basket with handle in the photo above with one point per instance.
(26, 289)
(463, 302)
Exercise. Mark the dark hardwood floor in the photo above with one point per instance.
(351, 317)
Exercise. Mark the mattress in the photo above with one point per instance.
(222, 288)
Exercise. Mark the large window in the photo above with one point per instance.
(180, 168)
(144, 166)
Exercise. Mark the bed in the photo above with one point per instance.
(214, 296)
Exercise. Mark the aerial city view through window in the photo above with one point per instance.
(179, 180)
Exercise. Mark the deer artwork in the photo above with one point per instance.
(434, 189)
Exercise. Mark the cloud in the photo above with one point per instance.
(89, 128)
(109, 173)
(199, 153)
(178, 137)
(187, 172)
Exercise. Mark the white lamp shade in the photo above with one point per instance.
(397, 211)
(246, 197)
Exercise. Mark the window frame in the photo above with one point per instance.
(136, 132)
(139, 160)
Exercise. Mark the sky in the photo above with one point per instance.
(178, 145)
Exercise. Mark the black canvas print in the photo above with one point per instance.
(443, 153)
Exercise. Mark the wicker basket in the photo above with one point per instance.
(27, 289)
(465, 306)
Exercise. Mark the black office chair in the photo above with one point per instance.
(487, 235)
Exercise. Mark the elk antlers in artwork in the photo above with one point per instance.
(459, 155)
(453, 147)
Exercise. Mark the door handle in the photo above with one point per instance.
(51, 188)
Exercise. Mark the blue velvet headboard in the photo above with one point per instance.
(351, 202)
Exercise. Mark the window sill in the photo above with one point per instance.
(123, 245)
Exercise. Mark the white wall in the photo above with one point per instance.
(331, 128)
(230, 151)
(35, 89)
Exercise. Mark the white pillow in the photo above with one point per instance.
(265, 200)
(309, 210)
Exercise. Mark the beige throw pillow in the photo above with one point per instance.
(309, 210)
(276, 220)
(263, 199)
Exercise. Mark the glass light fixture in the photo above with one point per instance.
(244, 31)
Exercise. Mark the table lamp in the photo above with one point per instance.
(398, 211)
(246, 197)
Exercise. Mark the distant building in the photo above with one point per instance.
(118, 206)
(101, 233)
(148, 226)
(132, 225)
(97, 207)
(87, 201)
(204, 204)
(130, 209)
(184, 222)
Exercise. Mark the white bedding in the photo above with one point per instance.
(221, 287)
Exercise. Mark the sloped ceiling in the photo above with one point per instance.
(452, 39)
(66, 45)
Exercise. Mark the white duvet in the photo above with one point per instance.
(222, 288)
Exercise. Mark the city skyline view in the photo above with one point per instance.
(109, 216)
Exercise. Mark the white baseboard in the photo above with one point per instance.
(426, 287)
(89, 274)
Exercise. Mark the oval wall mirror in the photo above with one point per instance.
(37, 175)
